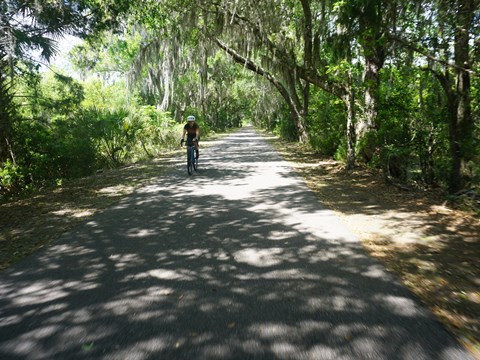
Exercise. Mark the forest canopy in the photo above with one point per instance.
(393, 85)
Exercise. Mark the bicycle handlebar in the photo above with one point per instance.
(186, 142)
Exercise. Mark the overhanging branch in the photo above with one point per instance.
(249, 64)
(429, 56)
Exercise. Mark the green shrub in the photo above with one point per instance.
(11, 178)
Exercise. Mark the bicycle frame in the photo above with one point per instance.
(191, 158)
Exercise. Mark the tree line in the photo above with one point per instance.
(390, 84)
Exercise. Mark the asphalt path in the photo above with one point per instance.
(238, 261)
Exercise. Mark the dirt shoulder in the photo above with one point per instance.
(432, 248)
(34, 220)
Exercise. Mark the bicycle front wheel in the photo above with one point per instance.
(189, 162)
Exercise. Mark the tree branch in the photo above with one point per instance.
(253, 67)
(307, 34)
(429, 56)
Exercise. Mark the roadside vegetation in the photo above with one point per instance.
(391, 85)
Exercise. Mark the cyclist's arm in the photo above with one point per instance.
(197, 134)
(183, 134)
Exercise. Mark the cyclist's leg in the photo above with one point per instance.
(189, 143)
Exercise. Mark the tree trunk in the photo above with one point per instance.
(6, 115)
(461, 121)
(300, 124)
(166, 86)
(298, 108)
(368, 124)
(374, 50)
(349, 101)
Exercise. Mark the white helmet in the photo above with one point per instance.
(191, 118)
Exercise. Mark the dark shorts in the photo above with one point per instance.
(190, 140)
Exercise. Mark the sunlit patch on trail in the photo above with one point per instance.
(260, 257)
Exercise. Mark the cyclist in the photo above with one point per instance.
(192, 130)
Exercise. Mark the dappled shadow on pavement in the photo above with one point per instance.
(433, 247)
(239, 261)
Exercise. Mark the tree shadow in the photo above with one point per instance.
(245, 264)
(433, 249)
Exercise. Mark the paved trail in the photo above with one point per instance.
(239, 261)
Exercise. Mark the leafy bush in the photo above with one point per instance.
(11, 178)
(326, 124)
(155, 131)
(285, 128)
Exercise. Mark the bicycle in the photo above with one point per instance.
(192, 161)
